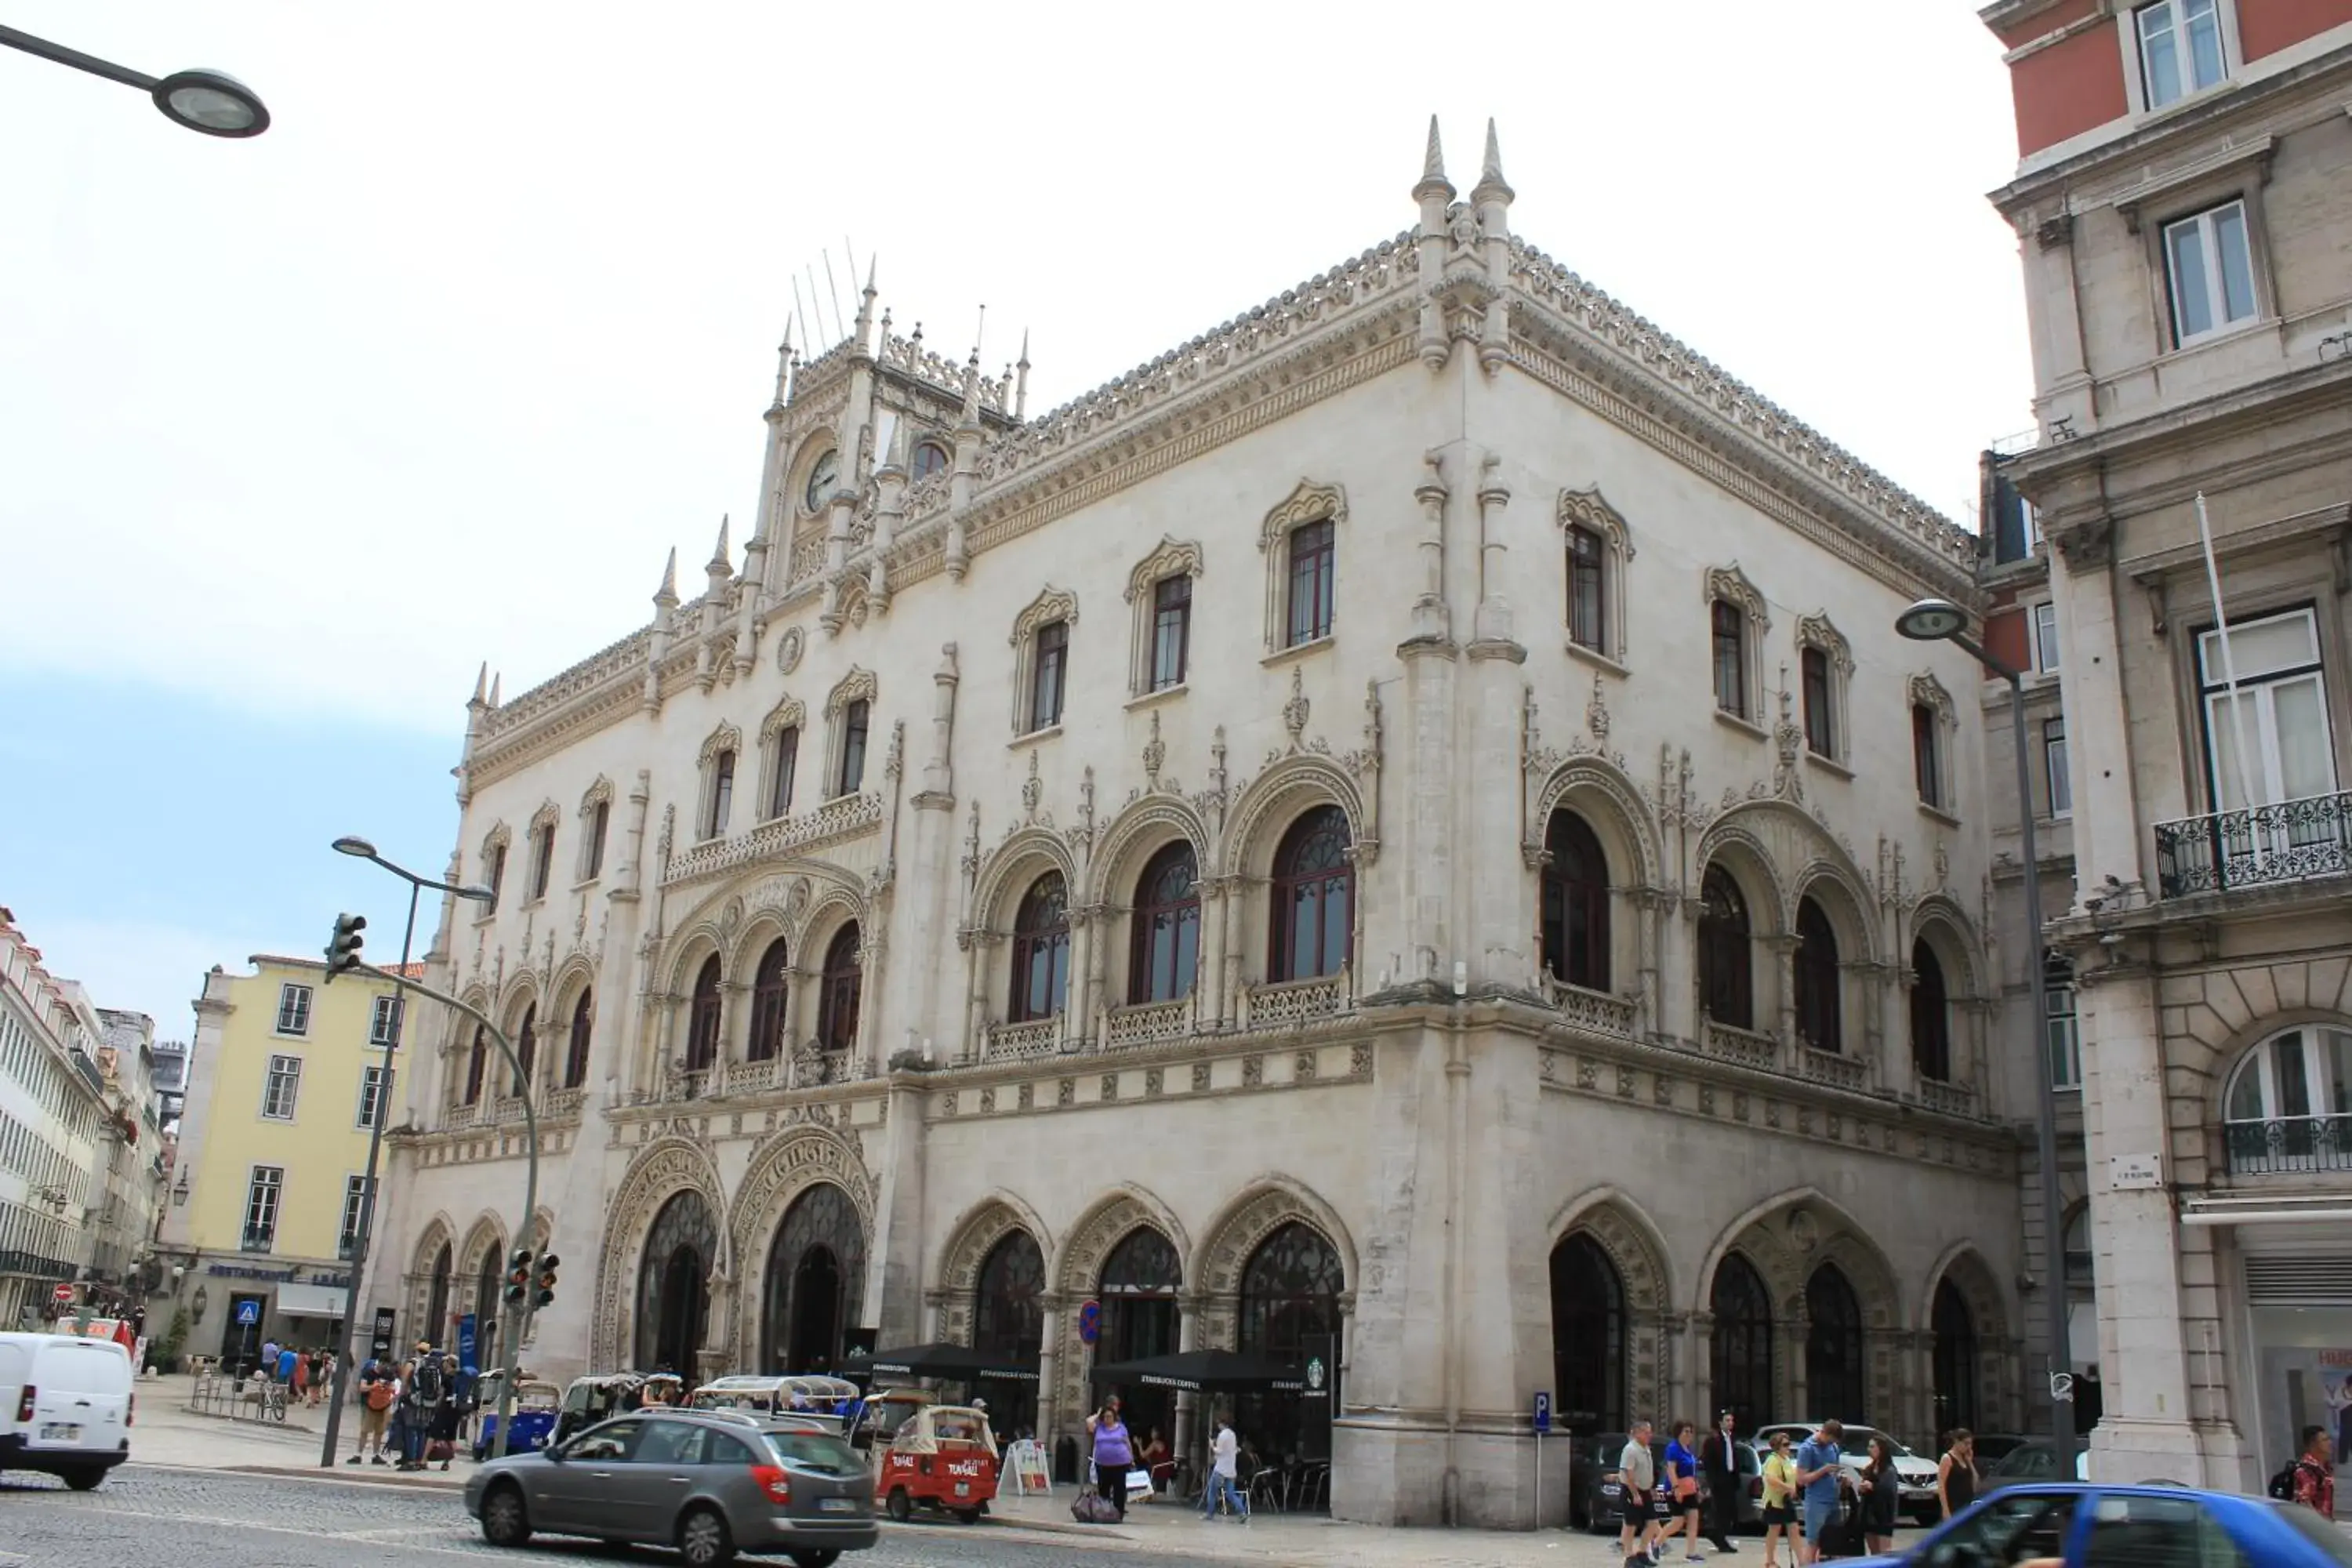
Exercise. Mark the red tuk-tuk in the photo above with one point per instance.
(944, 1457)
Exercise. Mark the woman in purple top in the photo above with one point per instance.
(1114, 1457)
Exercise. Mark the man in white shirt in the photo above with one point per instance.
(1223, 1467)
(1637, 1475)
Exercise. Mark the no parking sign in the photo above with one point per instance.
(1090, 1322)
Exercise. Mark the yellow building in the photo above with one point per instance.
(264, 1211)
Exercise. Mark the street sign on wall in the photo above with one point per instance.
(380, 1340)
(1543, 1411)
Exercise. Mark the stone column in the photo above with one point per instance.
(2107, 837)
(1188, 1321)
(1208, 974)
(1783, 949)
(1697, 1394)
(1049, 1360)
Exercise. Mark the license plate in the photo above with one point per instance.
(963, 1489)
(60, 1432)
(836, 1505)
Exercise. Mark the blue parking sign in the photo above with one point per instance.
(1543, 1411)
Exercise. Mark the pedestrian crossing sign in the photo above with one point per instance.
(247, 1314)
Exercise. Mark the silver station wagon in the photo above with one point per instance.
(709, 1483)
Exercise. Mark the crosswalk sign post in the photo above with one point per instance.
(247, 1314)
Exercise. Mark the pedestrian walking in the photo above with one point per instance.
(442, 1439)
(288, 1361)
(268, 1366)
(1637, 1531)
(298, 1387)
(1718, 1460)
(1955, 1474)
(2314, 1473)
(1881, 1492)
(379, 1391)
(1224, 1470)
(1681, 1486)
(1113, 1455)
(1780, 1503)
(1818, 1463)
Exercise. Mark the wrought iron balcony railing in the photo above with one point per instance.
(2288, 1145)
(2291, 841)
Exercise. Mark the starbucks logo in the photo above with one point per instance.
(1315, 1372)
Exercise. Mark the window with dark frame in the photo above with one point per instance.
(702, 1018)
(1820, 718)
(930, 457)
(722, 794)
(1310, 589)
(839, 994)
(1575, 903)
(293, 1009)
(1171, 630)
(1313, 898)
(1928, 754)
(371, 1106)
(347, 1238)
(1818, 1021)
(1725, 977)
(525, 1051)
(1041, 953)
(1728, 627)
(281, 1087)
(1166, 949)
(262, 1193)
(1048, 668)
(575, 1055)
(498, 877)
(770, 997)
(600, 819)
(542, 863)
(1931, 1015)
(2055, 770)
(854, 719)
(1587, 609)
(383, 1022)
(476, 1062)
(788, 763)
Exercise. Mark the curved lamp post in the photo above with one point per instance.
(1940, 620)
(361, 849)
(213, 102)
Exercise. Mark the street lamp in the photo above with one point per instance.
(1940, 620)
(361, 849)
(210, 101)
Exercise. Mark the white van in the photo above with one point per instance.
(66, 1407)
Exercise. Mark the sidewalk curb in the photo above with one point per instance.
(363, 1475)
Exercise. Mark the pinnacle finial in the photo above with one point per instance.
(1023, 362)
(481, 684)
(718, 555)
(873, 260)
(1433, 161)
(667, 593)
(496, 684)
(1490, 170)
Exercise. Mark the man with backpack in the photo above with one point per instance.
(378, 1389)
(2311, 1479)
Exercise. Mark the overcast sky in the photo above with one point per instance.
(295, 432)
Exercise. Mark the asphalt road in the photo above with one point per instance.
(145, 1516)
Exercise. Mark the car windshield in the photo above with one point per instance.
(818, 1452)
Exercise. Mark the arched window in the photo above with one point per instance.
(1575, 903)
(1820, 1022)
(1954, 1358)
(838, 993)
(1008, 1320)
(1931, 1018)
(1314, 888)
(814, 1283)
(770, 989)
(930, 457)
(702, 1019)
(1833, 1348)
(575, 1058)
(2289, 1105)
(1741, 1349)
(673, 1284)
(1726, 991)
(1137, 1291)
(1041, 951)
(1166, 943)
(488, 1276)
(1588, 1337)
(436, 1300)
(527, 1050)
(1290, 1313)
(476, 1059)
(2074, 1247)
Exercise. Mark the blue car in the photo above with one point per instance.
(2060, 1525)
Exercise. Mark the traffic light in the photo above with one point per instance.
(518, 1277)
(547, 1266)
(344, 947)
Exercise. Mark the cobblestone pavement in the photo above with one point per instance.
(186, 1519)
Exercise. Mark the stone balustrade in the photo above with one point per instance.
(1832, 1068)
(1288, 1003)
(1147, 1022)
(1951, 1099)
(1013, 1042)
(1595, 1010)
(1745, 1047)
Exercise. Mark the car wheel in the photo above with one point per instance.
(825, 1559)
(85, 1479)
(703, 1539)
(899, 1506)
(504, 1521)
(969, 1515)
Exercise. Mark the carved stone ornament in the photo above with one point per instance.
(1928, 692)
(1032, 789)
(725, 738)
(1596, 712)
(789, 648)
(1310, 502)
(1730, 584)
(1816, 631)
(1173, 558)
(858, 686)
(1155, 752)
(1052, 604)
(1590, 508)
(789, 713)
(1295, 711)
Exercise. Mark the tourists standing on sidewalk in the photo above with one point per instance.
(1819, 1462)
(1224, 1469)
(1719, 1459)
(1637, 1478)
(1780, 1503)
(379, 1390)
(443, 1428)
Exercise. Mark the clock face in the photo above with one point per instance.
(823, 476)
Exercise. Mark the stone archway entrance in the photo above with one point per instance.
(813, 1283)
(674, 1285)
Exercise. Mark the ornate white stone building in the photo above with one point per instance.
(1360, 839)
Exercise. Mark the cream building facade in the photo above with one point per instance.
(1360, 839)
(54, 1132)
(2185, 229)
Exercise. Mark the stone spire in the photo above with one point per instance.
(481, 686)
(495, 682)
(1435, 196)
(1492, 197)
(1491, 183)
(865, 305)
(1021, 387)
(721, 565)
(783, 367)
(971, 392)
(665, 596)
(1433, 170)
